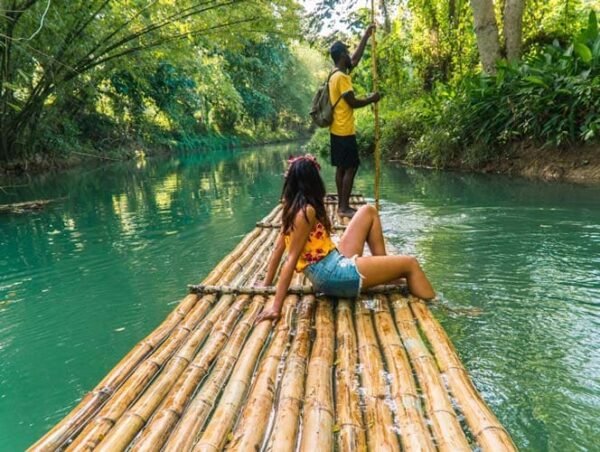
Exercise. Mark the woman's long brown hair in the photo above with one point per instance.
(303, 186)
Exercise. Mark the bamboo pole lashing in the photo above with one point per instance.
(446, 428)
(349, 420)
(484, 425)
(222, 420)
(284, 434)
(318, 415)
(79, 416)
(253, 422)
(414, 433)
(380, 428)
(154, 433)
(190, 411)
(125, 429)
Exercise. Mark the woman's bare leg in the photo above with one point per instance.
(384, 269)
(365, 226)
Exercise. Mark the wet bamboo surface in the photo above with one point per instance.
(376, 373)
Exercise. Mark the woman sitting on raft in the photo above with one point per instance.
(338, 272)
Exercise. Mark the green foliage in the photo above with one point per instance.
(155, 73)
(551, 97)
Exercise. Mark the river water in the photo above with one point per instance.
(516, 263)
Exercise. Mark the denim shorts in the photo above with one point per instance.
(335, 275)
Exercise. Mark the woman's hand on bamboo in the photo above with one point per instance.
(272, 314)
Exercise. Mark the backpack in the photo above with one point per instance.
(321, 110)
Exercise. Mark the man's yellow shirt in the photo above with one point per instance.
(343, 114)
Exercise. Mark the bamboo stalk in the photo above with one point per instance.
(271, 215)
(486, 428)
(195, 414)
(259, 258)
(378, 416)
(252, 425)
(414, 434)
(334, 224)
(444, 422)
(317, 420)
(285, 428)
(375, 106)
(215, 435)
(237, 266)
(77, 419)
(351, 436)
(155, 432)
(110, 413)
(294, 289)
(127, 426)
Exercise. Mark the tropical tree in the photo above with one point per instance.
(50, 48)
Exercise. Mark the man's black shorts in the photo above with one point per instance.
(344, 151)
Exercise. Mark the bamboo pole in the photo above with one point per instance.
(484, 425)
(351, 436)
(377, 133)
(444, 422)
(237, 266)
(156, 430)
(77, 419)
(194, 415)
(378, 416)
(136, 417)
(215, 435)
(295, 289)
(285, 428)
(271, 215)
(414, 434)
(137, 383)
(253, 423)
(317, 420)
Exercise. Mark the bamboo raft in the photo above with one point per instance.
(377, 373)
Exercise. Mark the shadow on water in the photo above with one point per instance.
(85, 279)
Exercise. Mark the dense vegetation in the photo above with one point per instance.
(462, 80)
(114, 76)
(446, 104)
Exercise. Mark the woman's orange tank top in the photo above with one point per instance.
(318, 245)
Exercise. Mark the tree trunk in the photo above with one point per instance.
(486, 31)
(513, 28)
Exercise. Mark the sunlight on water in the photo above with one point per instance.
(516, 265)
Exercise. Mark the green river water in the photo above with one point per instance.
(82, 281)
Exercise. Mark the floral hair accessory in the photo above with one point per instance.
(311, 158)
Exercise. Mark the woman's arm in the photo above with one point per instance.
(275, 259)
(298, 239)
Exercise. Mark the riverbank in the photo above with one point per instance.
(577, 164)
(48, 163)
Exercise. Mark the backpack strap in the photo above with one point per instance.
(341, 96)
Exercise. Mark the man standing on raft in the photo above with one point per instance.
(344, 150)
